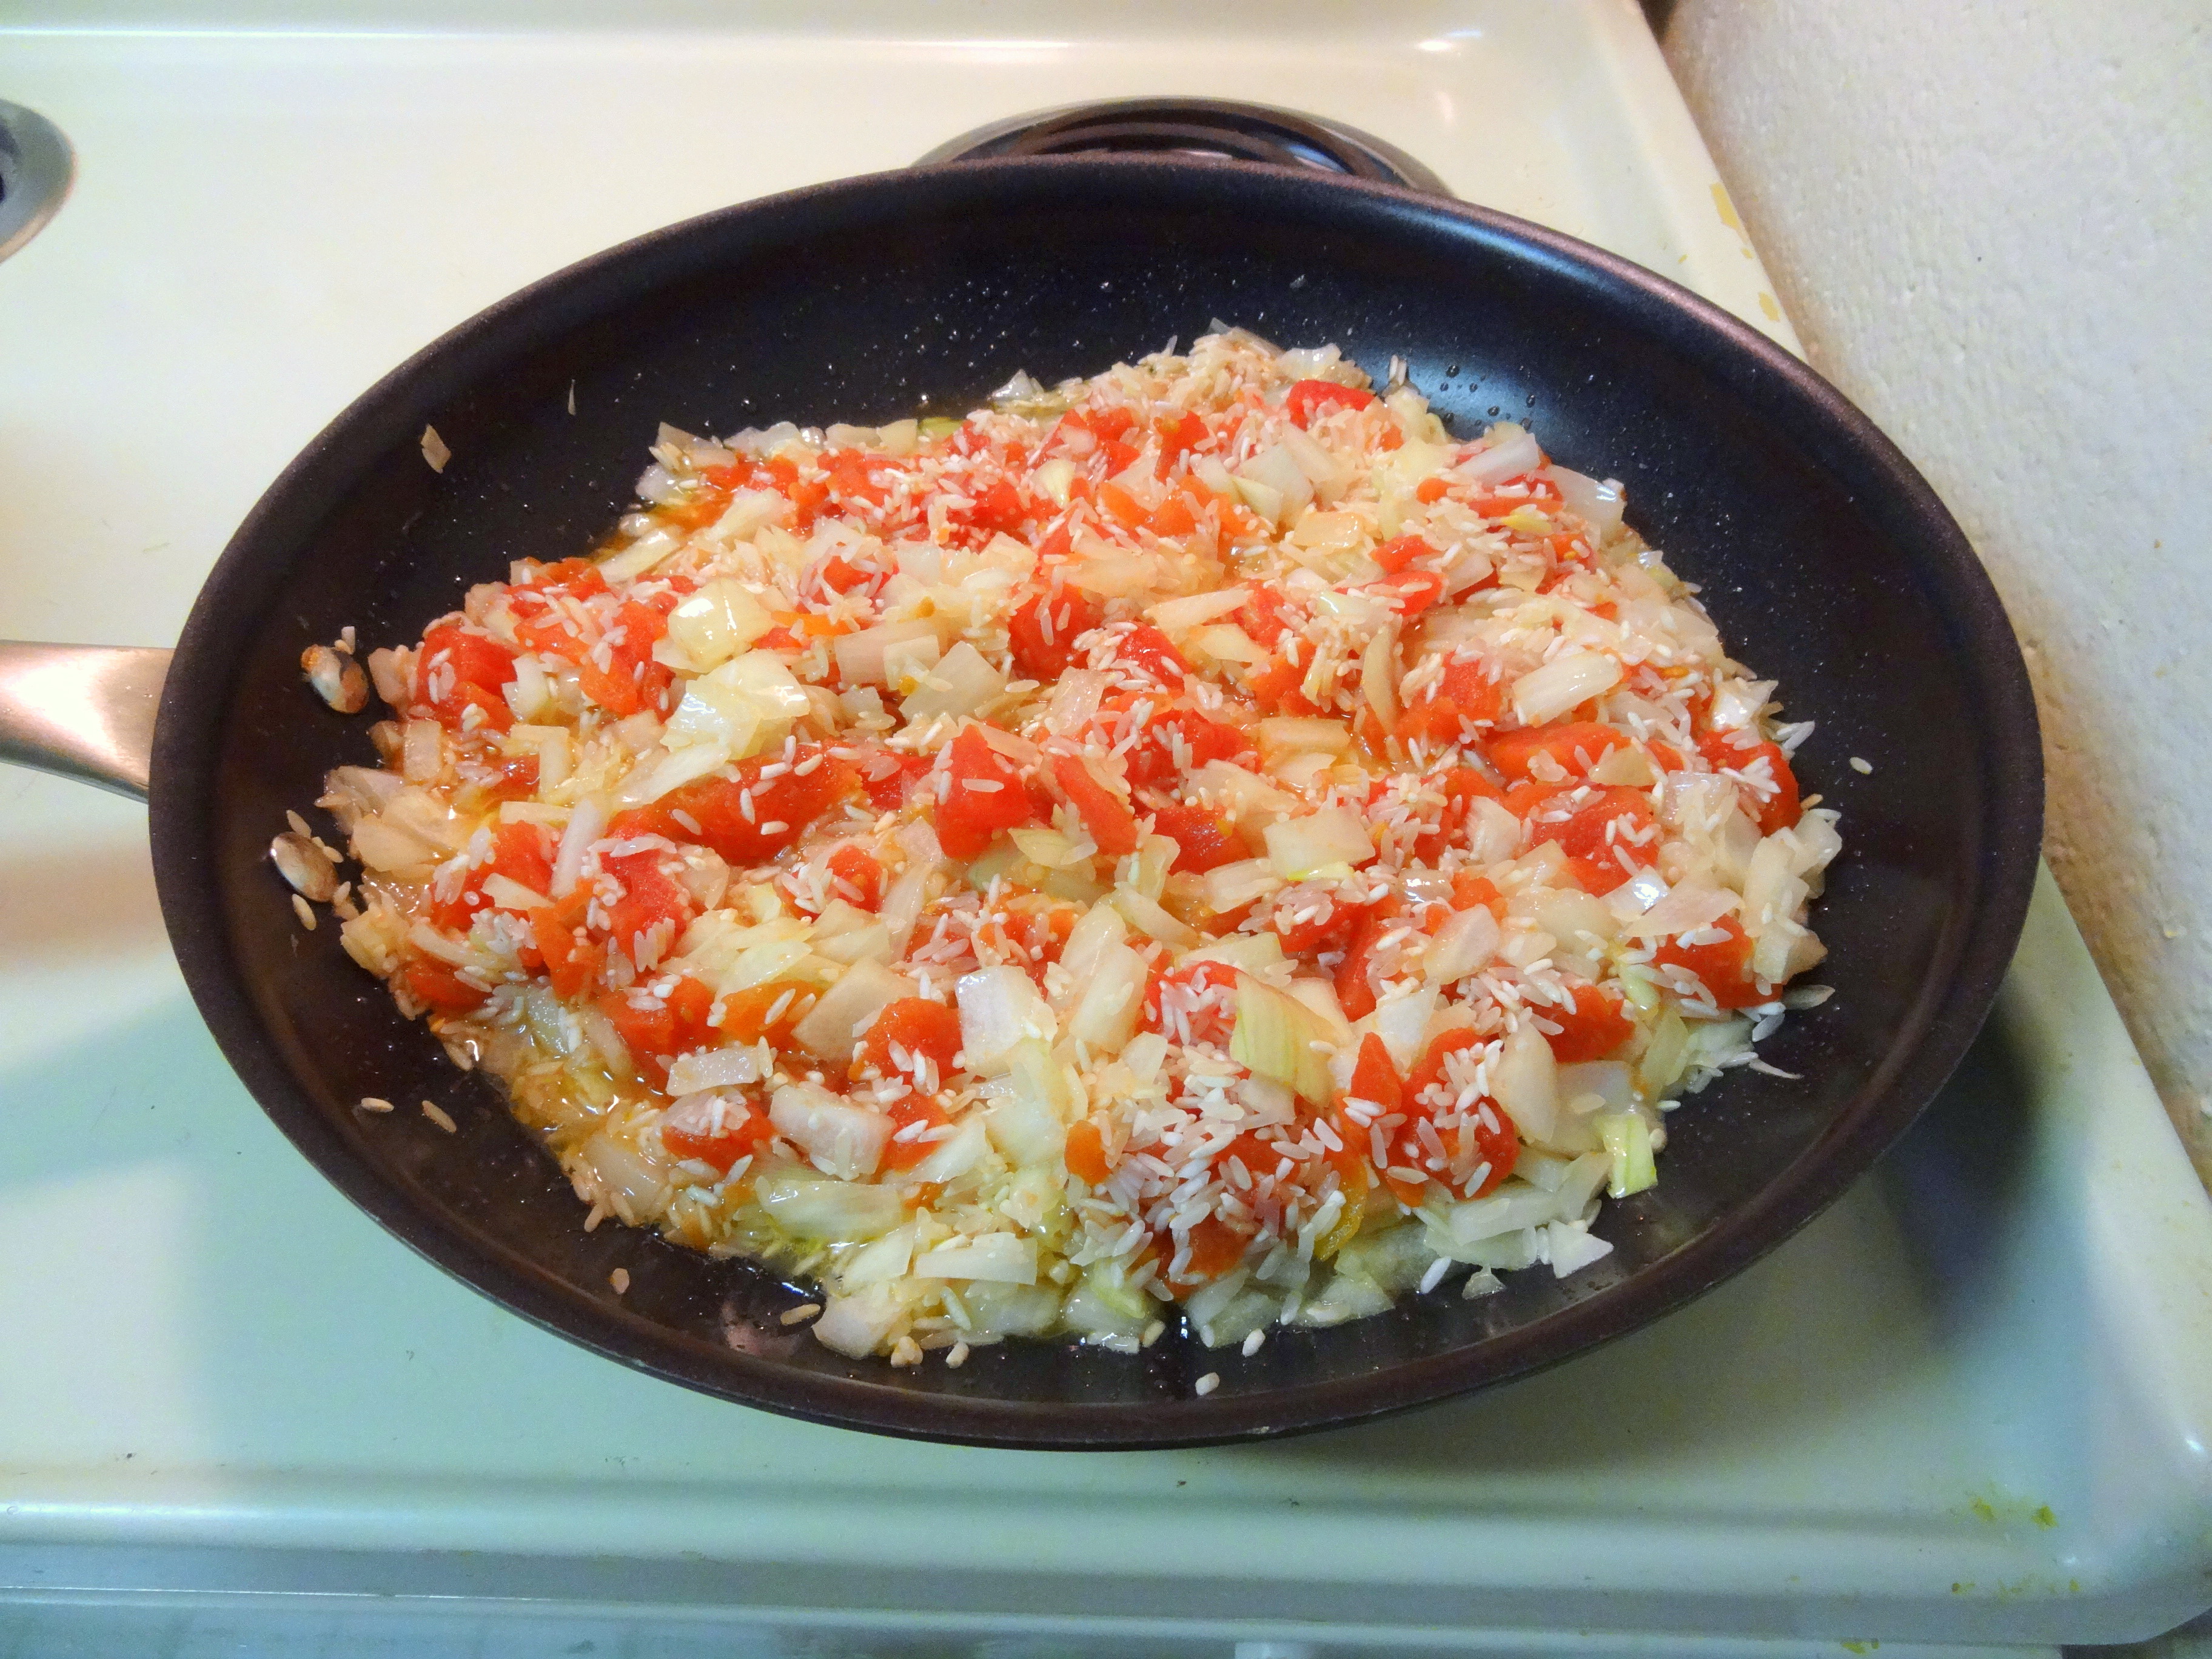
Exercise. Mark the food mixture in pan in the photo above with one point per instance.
(1198, 836)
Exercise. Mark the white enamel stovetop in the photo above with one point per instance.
(1969, 1404)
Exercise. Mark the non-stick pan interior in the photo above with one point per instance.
(1822, 556)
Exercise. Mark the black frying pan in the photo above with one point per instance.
(1822, 553)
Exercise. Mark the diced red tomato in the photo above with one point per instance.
(1375, 1078)
(1463, 697)
(1469, 889)
(1085, 1153)
(1215, 1248)
(439, 988)
(518, 852)
(1354, 993)
(713, 809)
(765, 1012)
(1105, 814)
(857, 868)
(999, 508)
(886, 785)
(1725, 965)
(1107, 422)
(495, 778)
(1276, 689)
(632, 679)
(745, 1131)
(1590, 1029)
(1178, 743)
(467, 670)
(1462, 785)
(851, 476)
(656, 1028)
(1496, 1143)
(919, 1027)
(1410, 592)
(1576, 745)
(1263, 615)
(1206, 840)
(1429, 1069)
(1043, 632)
(1148, 649)
(984, 795)
(1311, 397)
(1613, 824)
(1205, 992)
(1179, 435)
(914, 1108)
(730, 475)
(580, 577)
(1429, 491)
(1124, 508)
(840, 577)
(1779, 810)
(640, 896)
(573, 960)
(1304, 934)
(1395, 555)
(1173, 517)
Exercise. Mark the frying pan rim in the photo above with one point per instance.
(1953, 1006)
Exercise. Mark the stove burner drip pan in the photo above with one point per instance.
(35, 167)
(1252, 133)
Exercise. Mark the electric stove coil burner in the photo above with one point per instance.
(1195, 127)
(35, 165)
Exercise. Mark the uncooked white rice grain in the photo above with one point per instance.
(373, 1103)
(620, 1279)
(1206, 1384)
(439, 1115)
(800, 1315)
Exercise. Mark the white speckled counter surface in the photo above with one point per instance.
(1970, 1403)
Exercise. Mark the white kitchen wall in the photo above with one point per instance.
(1992, 225)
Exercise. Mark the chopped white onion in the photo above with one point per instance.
(1601, 502)
(1001, 1258)
(1508, 459)
(1075, 699)
(839, 1138)
(1106, 1013)
(847, 1008)
(1333, 840)
(856, 1325)
(1180, 616)
(1000, 1006)
(1570, 678)
(1462, 946)
(961, 681)
(1228, 886)
(585, 824)
(668, 771)
(711, 626)
(1275, 1036)
(1690, 905)
(1525, 1082)
(860, 655)
(834, 1211)
(715, 1068)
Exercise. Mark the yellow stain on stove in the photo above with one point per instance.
(1727, 208)
(1766, 304)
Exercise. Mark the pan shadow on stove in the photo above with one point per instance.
(1802, 1348)
(80, 904)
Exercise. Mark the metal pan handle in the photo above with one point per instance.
(84, 711)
